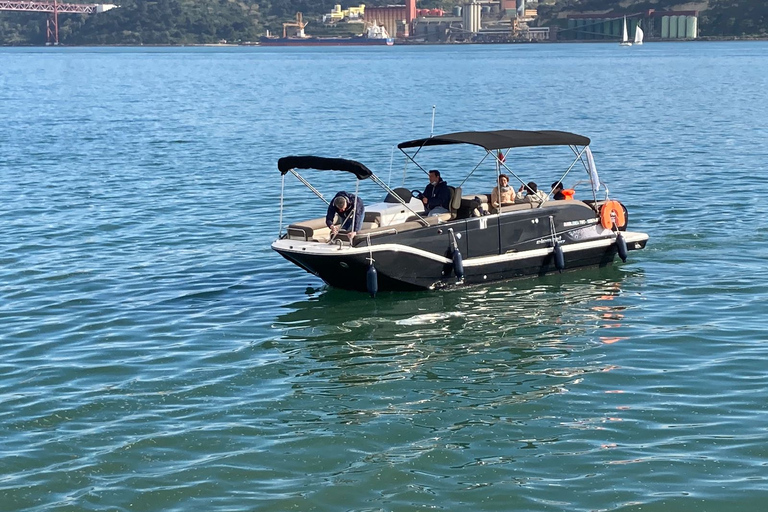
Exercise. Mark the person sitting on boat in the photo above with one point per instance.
(557, 191)
(561, 193)
(530, 193)
(503, 194)
(350, 210)
(437, 195)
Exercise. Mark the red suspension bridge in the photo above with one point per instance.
(53, 9)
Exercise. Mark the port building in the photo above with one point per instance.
(658, 25)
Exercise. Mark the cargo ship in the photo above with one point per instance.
(375, 35)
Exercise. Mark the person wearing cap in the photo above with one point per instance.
(530, 193)
(437, 195)
(350, 210)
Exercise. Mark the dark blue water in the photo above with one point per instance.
(155, 354)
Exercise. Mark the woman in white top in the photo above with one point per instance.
(503, 194)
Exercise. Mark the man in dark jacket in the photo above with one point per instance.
(350, 210)
(437, 195)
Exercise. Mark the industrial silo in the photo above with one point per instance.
(665, 27)
(692, 27)
(580, 29)
(681, 26)
(471, 15)
(673, 27)
(457, 11)
(605, 29)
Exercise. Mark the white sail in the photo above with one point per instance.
(638, 35)
(625, 37)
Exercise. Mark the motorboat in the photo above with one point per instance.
(401, 248)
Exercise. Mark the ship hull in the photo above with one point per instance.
(328, 41)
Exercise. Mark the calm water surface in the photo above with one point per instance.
(155, 354)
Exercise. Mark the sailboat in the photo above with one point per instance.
(625, 37)
(638, 34)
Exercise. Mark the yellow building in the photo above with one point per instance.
(338, 14)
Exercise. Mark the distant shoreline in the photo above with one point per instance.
(397, 43)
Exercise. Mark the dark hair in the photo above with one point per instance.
(340, 202)
(557, 185)
(435, 172)
(503, 176)
(532, 187)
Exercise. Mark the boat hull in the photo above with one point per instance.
(325, 41)
(493, 248)
(399, 269)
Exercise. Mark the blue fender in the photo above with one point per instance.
(458, 264)
(559, 257)
(621, 244)
(372, 280)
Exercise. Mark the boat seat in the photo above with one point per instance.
(455, 202)
(470, 206)
(372, 218)
(308, 230)
(519, 206)
(402, 193)
(394, 228)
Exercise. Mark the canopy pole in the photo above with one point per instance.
(487, 152)
(580, 158)
(309, 186)
(282, 191)
(432, 130)
(504, 164)
(391, 162)
(411, 158)
(383, 185)
(354, 206)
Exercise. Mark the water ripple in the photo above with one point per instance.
(157, 355)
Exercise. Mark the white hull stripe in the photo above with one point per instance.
(319, 249)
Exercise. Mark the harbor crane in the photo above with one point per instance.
(53, 9)
(299, 24)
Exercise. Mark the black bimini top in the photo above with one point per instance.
(320, 163)
(502, 139)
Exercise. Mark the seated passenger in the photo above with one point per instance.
(503, 194)
(350, 210)
(532, 194)
(437, 195)
(557, 191)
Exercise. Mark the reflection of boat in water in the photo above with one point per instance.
(400, 332)
(404, 249)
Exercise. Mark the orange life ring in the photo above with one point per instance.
(568, 193)
(611, 212)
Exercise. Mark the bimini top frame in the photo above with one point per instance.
(497, 140)
(320, 163)
(289, 164)
(501, 139)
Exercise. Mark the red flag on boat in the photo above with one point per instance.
(501, 157)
